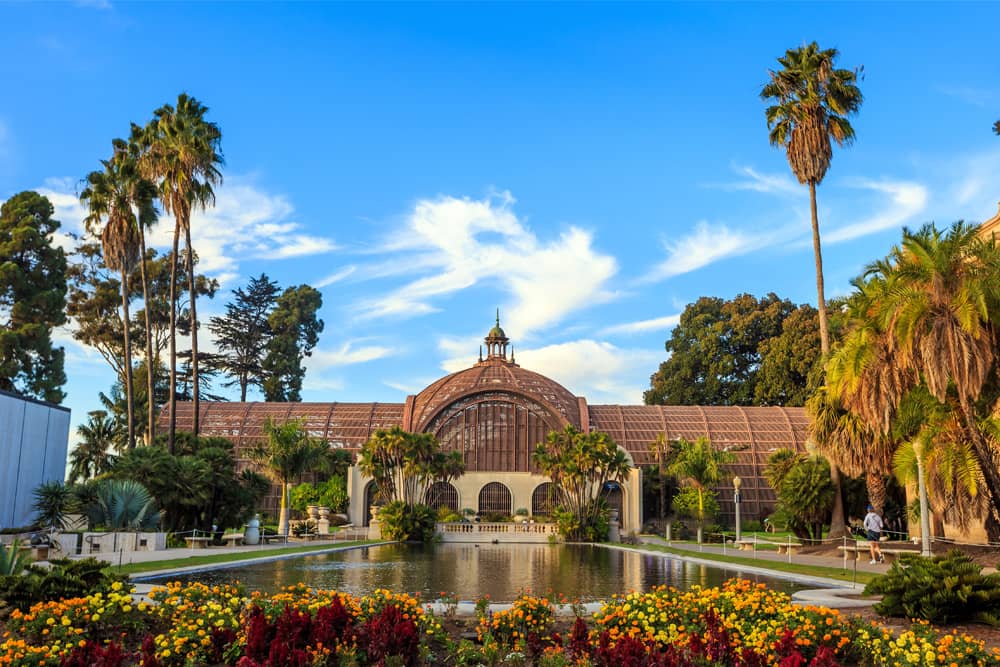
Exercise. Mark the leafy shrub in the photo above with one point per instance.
(303, 528)
(64, 579)
(53, 502)
(12, 559)
(942, 589)
(407, 523)
(494, 517)
(332, 493)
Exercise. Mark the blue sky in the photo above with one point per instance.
(588, 169)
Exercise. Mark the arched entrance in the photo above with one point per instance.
(442, 494)
(543, 499)
(614, 495)
(495, 498)
(371, 494)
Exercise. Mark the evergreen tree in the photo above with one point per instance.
(243, 334)
(295, 332)
(32, 298)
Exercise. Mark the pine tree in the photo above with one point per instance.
(32, 298)
(243, 334)
(295, 330)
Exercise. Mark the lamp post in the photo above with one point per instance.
(736, 502)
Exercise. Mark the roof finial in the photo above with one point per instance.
(511, 354)
(480, 353)
(498, 317)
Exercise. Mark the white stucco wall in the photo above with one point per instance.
(34, 438)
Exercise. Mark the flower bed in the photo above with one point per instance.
(738, 624)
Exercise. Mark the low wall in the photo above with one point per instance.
(497, 532)
(97, 543)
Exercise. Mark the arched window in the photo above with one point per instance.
(495, 498)
(543, 499)
(442, 494)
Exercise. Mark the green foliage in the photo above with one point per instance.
(580, 465)
(12, 559)
(404, 465)
(53, 502)
(243, 333)
(122, 504)
(332, 493)
(690, 504)
(738, 352)
(942, 589)
(32, 298)
(92, 454)
(64, 579)
(407, 523)
(805, 497)
(295, 331)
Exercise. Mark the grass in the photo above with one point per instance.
(778, 566)
(213, 559)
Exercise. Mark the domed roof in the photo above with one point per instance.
(496, 332)
(494, 375)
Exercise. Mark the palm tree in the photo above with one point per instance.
(109, 199)
(662, 449)
(182, 154)
(700, 466)
(91, 456)
(810, 101)
(288, 453)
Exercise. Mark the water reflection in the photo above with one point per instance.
(500, 570)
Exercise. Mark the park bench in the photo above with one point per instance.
(267, 539)
(782, 547)
(197, 542)
(233, 539)
(889, 553)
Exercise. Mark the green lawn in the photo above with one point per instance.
(212, 559)
(779, 566)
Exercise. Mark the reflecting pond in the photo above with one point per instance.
(583, 572)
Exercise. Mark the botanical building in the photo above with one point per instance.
(496, 412)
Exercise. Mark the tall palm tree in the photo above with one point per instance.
(662, 449)
(91, 456)
(111, 196)
(288, 453)
(143, 198)
(810, 102)
(182, 154)
(943, 318)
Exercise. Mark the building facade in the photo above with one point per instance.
(34, 438)
(495, 412)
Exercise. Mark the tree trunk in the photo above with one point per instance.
(243, 389)
(283, 511)
(876, 485)
(173, 339)
(129, 393)
(838, 523)
(987, 463)
(194, 326)
(150, 363)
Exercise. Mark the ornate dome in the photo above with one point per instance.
(494, 375)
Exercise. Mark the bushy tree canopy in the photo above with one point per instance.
(32, 298)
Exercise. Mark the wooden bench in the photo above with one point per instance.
(233, 539)
(197, 542)
(782, 547)
(267, 539)
(889, 554)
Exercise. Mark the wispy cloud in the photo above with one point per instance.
(245, 223)
(756, 181)
(94, 4)
(972, 95)
(906, 200)
(346, 355)
(453, 244)
(705, 245)
(598, 370)
(642, 326)
(335, 277)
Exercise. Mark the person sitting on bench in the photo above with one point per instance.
(873, 531)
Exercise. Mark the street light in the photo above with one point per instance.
(736, 501)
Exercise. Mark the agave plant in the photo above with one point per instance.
(122, 504)
(53, 502)
(12, 559)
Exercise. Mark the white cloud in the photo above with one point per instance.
(705, 245)
(756, 181)
(346, 355)
(335, 277)
(453, 244)
(906, 200)
(245, 223)
(643, 326)
(977, 97)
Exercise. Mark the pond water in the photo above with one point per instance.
(583, 572)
